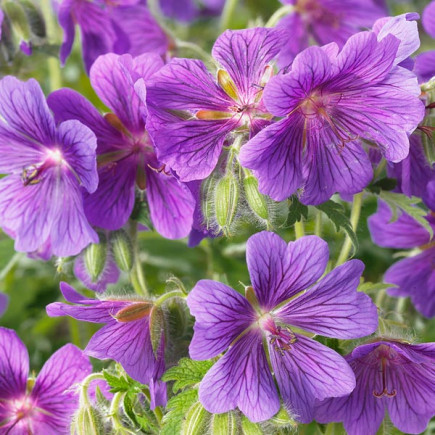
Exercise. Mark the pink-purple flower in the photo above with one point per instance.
(127, 161)
(125, 336)
(109, 26)
(47, 405)
(390, 375)
(49, 169)
(324, 21)
(211, 108)
(414, 276)
(284, 292)
(317, 146)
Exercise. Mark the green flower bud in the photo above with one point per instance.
(224, 424)
(87, 422)
(226, 201)
(18, 18)
(283, 420)
(35, 18)
(257, 201)
(157, 327)
(122, 250)
(196, 420)
(95, 257)
(207, 198)
(249, 428)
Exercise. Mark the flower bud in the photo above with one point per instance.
(224, 424)
(157, 328)
(257, 201)
(87, 422)
(226, 201)
(282, 420)
(207, 198)
(122, 250)
(196, 420)
(35, 18)
(18, 18)
(249, 428)
(95, 257)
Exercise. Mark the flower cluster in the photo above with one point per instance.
(264, 131)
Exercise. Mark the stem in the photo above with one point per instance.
(136, 275)
(299, 229)
(54, 72)
(114, 411)
(281, 12)
(172, 294)
(354, 219)
(227, 13)
(12, 262)
(195, 48)
(157, 411)
(318, 224)
(84, 398)
(379, 169)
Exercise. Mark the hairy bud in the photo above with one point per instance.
(95, 257)
(257, 201)
(226, 201)
(196, 420)
(87, 422)
(122, 250)
(249, 428)
(224, 424)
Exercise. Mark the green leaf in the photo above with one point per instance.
(408, 205)
(187, 373)
(296, 212)
(371, 287)
(141, 418)
(382, 184)
(120, 383)
(336, 214)
(178, 406)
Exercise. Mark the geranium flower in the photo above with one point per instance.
(192, 142)
(317, 146)
(390, 375)
(109, 26)
(44, 405)
(49, 167)
(283, 293)
(125, 336)
(415, 275)
(126, 155)
(324, 21)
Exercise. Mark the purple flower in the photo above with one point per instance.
(49, 167)
(125, 336)
(122, 26)
(49, 406)
(317, 146)
(304, 369)
(324, 21)
(192, 143)
(425, 62)
(414, 276)
(413, 173)
(126, 156)
(391, 375)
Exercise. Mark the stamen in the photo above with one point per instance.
(133, 312)
(227, 84)
(384, 391)
(282, 339)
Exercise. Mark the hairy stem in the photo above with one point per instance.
(137, 276)
(354, 220)
(280, 13)
(299, 229)
(227, 13)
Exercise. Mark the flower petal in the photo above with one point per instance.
(279, 271)
(428, 19)
(244, 54)
(334, 307)
(241, 378)
(171, 204)
(185, 84)
(310, 371)
(424, 66)
(14, 365)
(55, 391)
(221, 315)
(275, 157)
